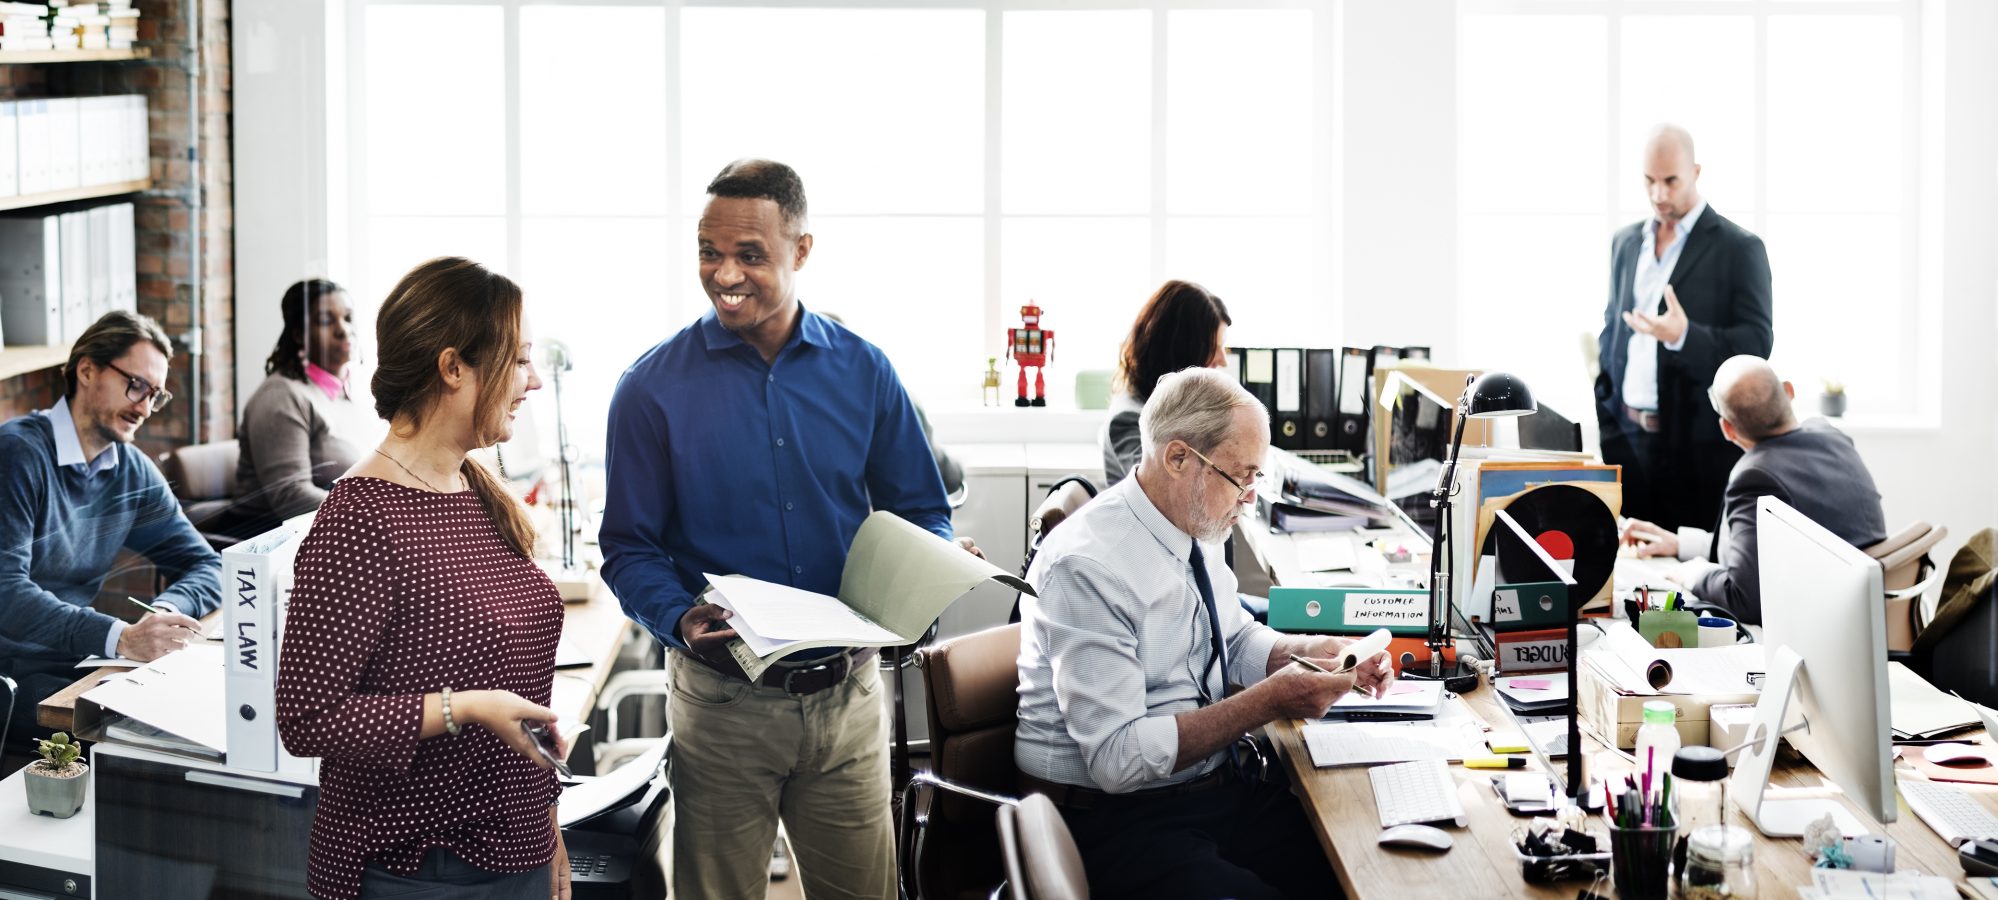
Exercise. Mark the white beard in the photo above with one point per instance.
(1205, 529)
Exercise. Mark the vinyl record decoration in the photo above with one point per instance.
(1571, 524)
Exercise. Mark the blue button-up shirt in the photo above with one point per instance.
(719, 462)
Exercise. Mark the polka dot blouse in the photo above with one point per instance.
(397, 593)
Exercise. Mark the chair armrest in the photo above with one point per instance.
(912, 829)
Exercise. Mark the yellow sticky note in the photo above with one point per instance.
(1508, 742)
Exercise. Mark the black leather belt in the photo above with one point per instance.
(1076, 797)
(1649, 421)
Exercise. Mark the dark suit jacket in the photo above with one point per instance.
(1814, 469)
(1722, 279)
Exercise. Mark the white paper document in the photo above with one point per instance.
(1324, 552)
(897, 580)
(1409, 697)
(1374, 743)
(99, 662)
(1849, 884)
(179, 693)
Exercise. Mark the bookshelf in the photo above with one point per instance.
(22, 360)
(69, 56)
(83, 193)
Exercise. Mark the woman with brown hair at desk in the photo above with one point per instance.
(420, 639)
(1182, 326)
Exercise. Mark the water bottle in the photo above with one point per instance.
(1657, 741)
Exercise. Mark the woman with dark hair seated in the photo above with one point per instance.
(1181, 327)
(297, 433)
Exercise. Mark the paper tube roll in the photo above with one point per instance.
(1658, 674)
(1363, 649)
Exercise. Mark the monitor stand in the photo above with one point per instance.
(1780, 818)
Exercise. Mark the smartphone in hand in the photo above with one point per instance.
(543, 738)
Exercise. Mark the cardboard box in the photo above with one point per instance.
(1617, 716)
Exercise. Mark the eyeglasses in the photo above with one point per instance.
(1243, 493)
(139, 390)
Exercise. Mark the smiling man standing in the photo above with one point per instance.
(72, 492)
(754, 442)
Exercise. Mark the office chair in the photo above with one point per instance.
(1907, 573)
(1042, 862)
(1958, 651)
(203, 477)
(1067, 496)
(947, 839)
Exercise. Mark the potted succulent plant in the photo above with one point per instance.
(1831, 403)
(56, 781)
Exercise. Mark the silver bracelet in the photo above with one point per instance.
(449, 725)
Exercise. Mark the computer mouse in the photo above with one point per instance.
(1955, 755)
(1421, 837)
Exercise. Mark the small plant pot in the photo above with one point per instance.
(1831, 406)
(59, 796)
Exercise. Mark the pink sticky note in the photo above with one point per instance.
(1529, 684)
(1404, 687)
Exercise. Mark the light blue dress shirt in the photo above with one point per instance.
(1654, 271)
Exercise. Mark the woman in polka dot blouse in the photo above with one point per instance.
(421, 635)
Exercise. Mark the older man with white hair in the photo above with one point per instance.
(1811, 466)
(1126, 720)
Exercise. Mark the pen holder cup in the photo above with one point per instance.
(1641, 861)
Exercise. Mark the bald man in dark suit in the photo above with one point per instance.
(1688, 289)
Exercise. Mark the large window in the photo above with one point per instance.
(961, 159)
(1807, 117)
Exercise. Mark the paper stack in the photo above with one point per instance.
(124, 31)
(24, 26)
(81, 25)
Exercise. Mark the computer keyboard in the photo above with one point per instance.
(1950, 811)
(1422, 791)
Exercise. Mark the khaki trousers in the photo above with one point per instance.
(744, 755)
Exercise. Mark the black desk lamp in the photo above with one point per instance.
(1492, 395)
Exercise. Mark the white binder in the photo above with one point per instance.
(256, 580)
(31, 279)
(65, 144)
(124, 259)
(32, 133)
(10, 161)
(138, 149)
(75, 274)
(100, 261)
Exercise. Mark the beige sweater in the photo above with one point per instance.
(290, 451)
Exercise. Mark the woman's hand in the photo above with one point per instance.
(558, 869)
(502, 712)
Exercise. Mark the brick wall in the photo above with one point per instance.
(165, 214)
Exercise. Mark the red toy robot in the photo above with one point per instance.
(1031, 347)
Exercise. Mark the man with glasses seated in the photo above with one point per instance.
(1126, 721)
(72, 492)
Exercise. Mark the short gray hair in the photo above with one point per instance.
(1195, 406)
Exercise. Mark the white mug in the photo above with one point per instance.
(1716, 632)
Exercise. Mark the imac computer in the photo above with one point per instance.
(1824, 624)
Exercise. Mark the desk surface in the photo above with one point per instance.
(596, 626)
(1340, 804)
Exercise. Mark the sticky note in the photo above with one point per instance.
(1529, 684)
(1403, 687)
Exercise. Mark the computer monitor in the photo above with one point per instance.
(1824, 624)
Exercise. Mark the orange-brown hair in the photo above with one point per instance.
(445, 303)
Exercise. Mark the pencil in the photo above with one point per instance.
(142, 605)
(1310, 665)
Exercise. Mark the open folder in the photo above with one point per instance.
(897, 580)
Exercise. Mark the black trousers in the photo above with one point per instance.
(1241, 841)
(1665, 488)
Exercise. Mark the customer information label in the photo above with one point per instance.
(1368, 611)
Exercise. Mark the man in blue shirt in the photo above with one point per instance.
(72, 492)
(754, 442)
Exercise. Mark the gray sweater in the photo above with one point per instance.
(291, 450)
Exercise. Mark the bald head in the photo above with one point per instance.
(1671, 173)
(1749, 395)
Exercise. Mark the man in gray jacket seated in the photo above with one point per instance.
(1811, 466)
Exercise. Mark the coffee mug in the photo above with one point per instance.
(1716, 631)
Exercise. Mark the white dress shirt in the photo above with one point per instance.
(1116, 644)
(1654, 271)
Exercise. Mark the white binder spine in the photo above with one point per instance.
(65, 144)
(256, 576)
(10, 159)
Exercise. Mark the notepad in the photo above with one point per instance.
(1405, 698)
(1373, 743)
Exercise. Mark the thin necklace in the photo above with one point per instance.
(399, 465)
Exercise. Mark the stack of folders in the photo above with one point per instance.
(64, 267)
(1317, 398)
(71, 143)
(1311, 499)
(24, 26)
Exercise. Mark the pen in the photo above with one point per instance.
(142, 605)
(1310, 665)
(1494, 762)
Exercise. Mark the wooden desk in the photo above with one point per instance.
(1340, 804)
(596, 626)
